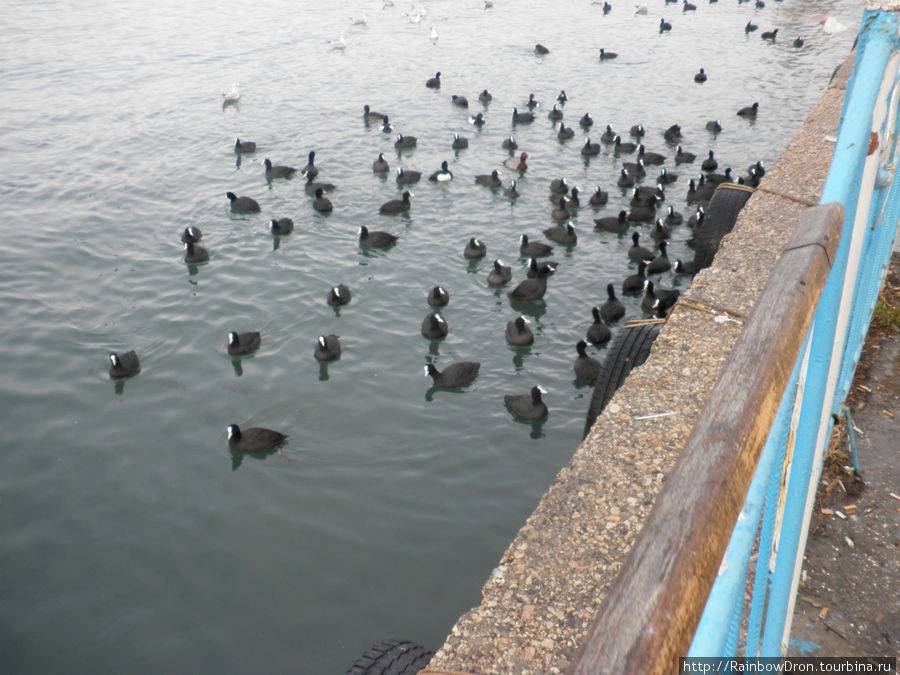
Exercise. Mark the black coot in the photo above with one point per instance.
(255, 440)
(586, 367)
(328, 348)
(499, 274)
(617, 224)
(123, 364)
(243, 343)
(533, 248)
(635, 282)
(243, 204)
(395, 206)
(518, 333)
(598, 332)
(434, 326)
(475, 248)
(527, 406)
(438, 296)
(491, 179)
(457, 374)
(612, 309)
(532, 289)
(191, 234)
(194, 253)
(339, 295)
(310, 170)
(277, 171)
(638, 252)
(321, 203)
(375, 239)
(380, 165)
(562, 235)
(661, 262)
(281, 226)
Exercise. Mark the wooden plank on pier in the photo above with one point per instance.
(649, 616)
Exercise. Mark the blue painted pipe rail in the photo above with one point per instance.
(779, 501)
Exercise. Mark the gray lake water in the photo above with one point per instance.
(129, 543)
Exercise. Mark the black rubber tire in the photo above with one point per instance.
(721, 214)
(628, 351)
(392, 657)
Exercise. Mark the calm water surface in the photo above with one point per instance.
(129, 542)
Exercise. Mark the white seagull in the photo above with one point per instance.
(233, 96)
(832, 26)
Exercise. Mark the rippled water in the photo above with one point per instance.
(129, 542)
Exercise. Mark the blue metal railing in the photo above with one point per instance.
(776, 512)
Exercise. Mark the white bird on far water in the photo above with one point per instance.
(832, 26)
(233, 96)
(339, 44)
(360, 20)
(433, 36)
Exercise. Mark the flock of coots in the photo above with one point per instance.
(644, 188)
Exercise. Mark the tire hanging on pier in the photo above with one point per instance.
(721, 214)
(629, 350)
(392, 657)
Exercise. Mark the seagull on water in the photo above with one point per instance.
(233, 96)
(832, 26)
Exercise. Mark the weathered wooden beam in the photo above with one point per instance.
(649, 616)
